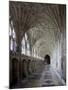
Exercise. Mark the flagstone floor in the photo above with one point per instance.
(47, 78)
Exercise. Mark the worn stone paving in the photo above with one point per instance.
(45, 79)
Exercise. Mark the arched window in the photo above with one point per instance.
(12, 37)
(25, 45)
(35, 53)
(11, 45)
(26, 37)
(28, 48)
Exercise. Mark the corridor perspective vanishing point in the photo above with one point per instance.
(37, 44)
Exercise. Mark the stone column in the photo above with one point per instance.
(18, 50)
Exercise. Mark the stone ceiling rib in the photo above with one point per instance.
(42, 22)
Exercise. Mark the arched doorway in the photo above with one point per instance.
(47, 59)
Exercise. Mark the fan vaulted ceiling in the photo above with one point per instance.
(43, 23)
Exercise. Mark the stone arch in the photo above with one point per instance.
(14, 69)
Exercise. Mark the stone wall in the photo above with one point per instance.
(21, 69)
(58, 59)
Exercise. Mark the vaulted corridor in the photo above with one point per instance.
(37, 44)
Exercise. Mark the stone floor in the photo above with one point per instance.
(47, 78)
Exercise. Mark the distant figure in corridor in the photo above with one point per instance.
(47, 59)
